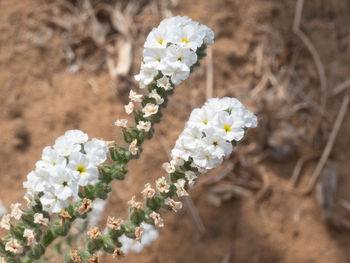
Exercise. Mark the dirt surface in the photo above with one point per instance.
(40, 99)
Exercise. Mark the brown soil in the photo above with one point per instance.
(40, 99)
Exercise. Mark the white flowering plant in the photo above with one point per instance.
(74, 174)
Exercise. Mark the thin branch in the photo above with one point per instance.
(316, 57)
(329, 146)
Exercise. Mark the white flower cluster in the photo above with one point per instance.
(149, 234)
(171, 49)
(72, 162)
(211, 130)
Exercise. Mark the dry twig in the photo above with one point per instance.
(316, 57)
(341, 87)
(329, 146)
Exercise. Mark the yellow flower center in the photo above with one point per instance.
(185, 39)
(81, 169)
(227, 128)
(205, 122)
(160, 40)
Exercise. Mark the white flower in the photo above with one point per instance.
(16, 212)
(184, 55)
(121, 123)
(149, 234)
(205, 159)
(133, 96)
(66, 145)
(203, 118)
(2, 260)
(148, 192)
(164, 83)
(144, 125)
(158, 38)
(231, 125)
(188, 36)
(156, 56)
(65, 183)
(156, 96)
(129, 244)
(150, 109)
(147, 73)
(180, 186)
(52, 203)
(250, 120)
(191, 177)
(14, 246)
(217, 145)
(5, 222)
(50, 158)
(86, 172)
(77, 136)
(29, 196)
(37, 180)
(30, 236)
(129, 108)
(40, 219)
(96, 151)
(177, 71)
(208, 34)
(169, 167)
(3, 210)
(176, 21)
(162, 185)
(133, 147)
(177, 161)
(175, 205)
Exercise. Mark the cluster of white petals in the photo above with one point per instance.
(149, 234)
(72, 162)
(211, 130)
(171, 50)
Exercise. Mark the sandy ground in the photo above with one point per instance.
(40, 99)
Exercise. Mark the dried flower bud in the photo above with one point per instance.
(64, 215)
(75, 256)
(148, 192)
(94, 259)
(162, 185)
(85, 206)
(138, 233)
(5, 222)
(129, 108)
(173, 204)
(121, 123)
(114, 223)
(40, 219)
(16, 213)
(158, 220)
(180, 186)
(14, 246)
(118, 253)
(133, 147)
(94, 233)
(30, 236)
(134, 204)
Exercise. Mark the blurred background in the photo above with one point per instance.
(281, 197)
